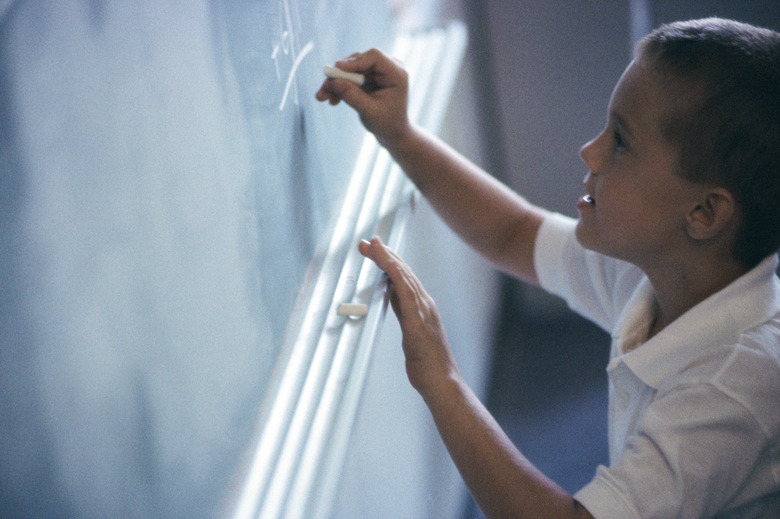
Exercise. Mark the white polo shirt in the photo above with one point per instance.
(694, 413)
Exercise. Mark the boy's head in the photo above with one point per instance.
(722, 79)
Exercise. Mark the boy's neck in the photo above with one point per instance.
(679, 290)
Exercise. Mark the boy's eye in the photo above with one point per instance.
(620, 144)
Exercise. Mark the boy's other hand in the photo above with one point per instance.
(429, 360)
(382, 100)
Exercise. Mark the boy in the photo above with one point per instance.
(674, 253)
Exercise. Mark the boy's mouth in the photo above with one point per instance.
(589, 199)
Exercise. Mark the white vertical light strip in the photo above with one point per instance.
(641, 19)
(300, 429)
(295, 466)
(292, 450)
(387, 195)
(285, 390)
(435, 81)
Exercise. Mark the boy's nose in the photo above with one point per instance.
(589, 155)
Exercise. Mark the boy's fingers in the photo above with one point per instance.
(406, 288)
(386, 259)
(380, 70)
(362, 62)
(338, 89)
(377, 252)
(322, 94)
(350, 93)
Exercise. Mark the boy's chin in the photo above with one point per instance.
(589, 239)
(585, 236)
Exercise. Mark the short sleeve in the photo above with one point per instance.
(692, 453)
(593, 285)
(549, 251)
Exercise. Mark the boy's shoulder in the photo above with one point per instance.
(735, 349)
(752, 374)
(745, 370)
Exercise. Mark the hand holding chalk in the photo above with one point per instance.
(377, 88)
(333, 72)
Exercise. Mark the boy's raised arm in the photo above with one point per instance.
(490, 217)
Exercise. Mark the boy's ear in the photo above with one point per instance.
(713, 214)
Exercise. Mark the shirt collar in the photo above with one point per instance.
(750, 300)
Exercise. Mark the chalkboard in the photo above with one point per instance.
(295, 466)
(301, 152)
(167, 182)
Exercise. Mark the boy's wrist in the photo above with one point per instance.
(443, 391)
(399, 139)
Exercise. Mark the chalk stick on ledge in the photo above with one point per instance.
(352, 309)
(333, 72)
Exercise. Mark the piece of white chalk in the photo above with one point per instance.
(333, 72)
(352, 309)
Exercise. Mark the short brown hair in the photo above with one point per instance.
(724, 79)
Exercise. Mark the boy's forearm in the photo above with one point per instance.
(501, 480)
(493, 219)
